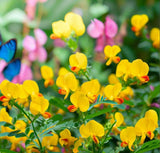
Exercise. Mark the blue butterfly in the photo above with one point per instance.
(7, 52)
(12, 69)
(8, 49)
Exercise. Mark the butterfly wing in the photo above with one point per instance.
(8, 50)
(12, 69)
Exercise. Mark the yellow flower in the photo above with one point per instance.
(62, 71)
(123, 69)
(76, 23)
(119, 121)
(47, 75)
(140, 70)
(155, 37)
(60, 29)
(112, 79)
(110, 54)
(128, 136)
(77, 144)
(137, 68)
(112, 92)
(92, 129)
(87, 94)
(145, 126)
(67, 82)
(39, 105)
(31, 87)
(152, 115)
(78, 62)
(9, 91)
(50, 142)
(138, 22)
(66, 138)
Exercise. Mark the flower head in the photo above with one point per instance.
(138, 22)
(67, 83)
(66, 139)
(78, 62)
(155, 37)
(34, 46)
(110, 54)
(92, 129)
(47, 75)
(128, 136)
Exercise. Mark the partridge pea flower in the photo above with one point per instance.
(119, 121)
(83, 97)
(67, 83)
(47, 75)
(9, 91)
(66, 138)
(50, 142)
(72, 22)
(138, 22)
(155, 37)
(76, 23)
(110, 54)
(78, 61)
(146, 126)
(112, 92)
(39, 105)
(92, 129)
(77, 144)
(137, 68)
(60, 29)
(128, 136)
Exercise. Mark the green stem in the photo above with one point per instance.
(93, 146)
(86, 75)
(21, 109)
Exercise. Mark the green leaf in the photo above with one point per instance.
(31, 136)
(154, 93)
(6, 151)
(27, 130)
(127, 102)
(98, 10)
(100, 112)
(59, 103)
(102, 102)
(147, 146)
(27, 142)
(4, 134)
(56, 117)
(68, 124)
(13, 133)
(20, 135)
(7, 125)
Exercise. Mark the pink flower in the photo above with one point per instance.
(59, 43)
(3, 64)
(34, 46)
(31, 7)
(104, 33)
(95, 28)
(25, 74)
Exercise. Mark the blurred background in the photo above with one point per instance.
(19, 18)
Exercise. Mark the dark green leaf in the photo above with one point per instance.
(27, 142)
(147, 146)
(59, 103)
(56, 117)
(31, 136)
(7, 125)
(100, 112)
(6, 151)
(69, 125)
(13, 133)
(154, 93)
(20, 135)
(27, 130)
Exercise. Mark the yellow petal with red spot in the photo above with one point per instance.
(128, 136)
(155, 37)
